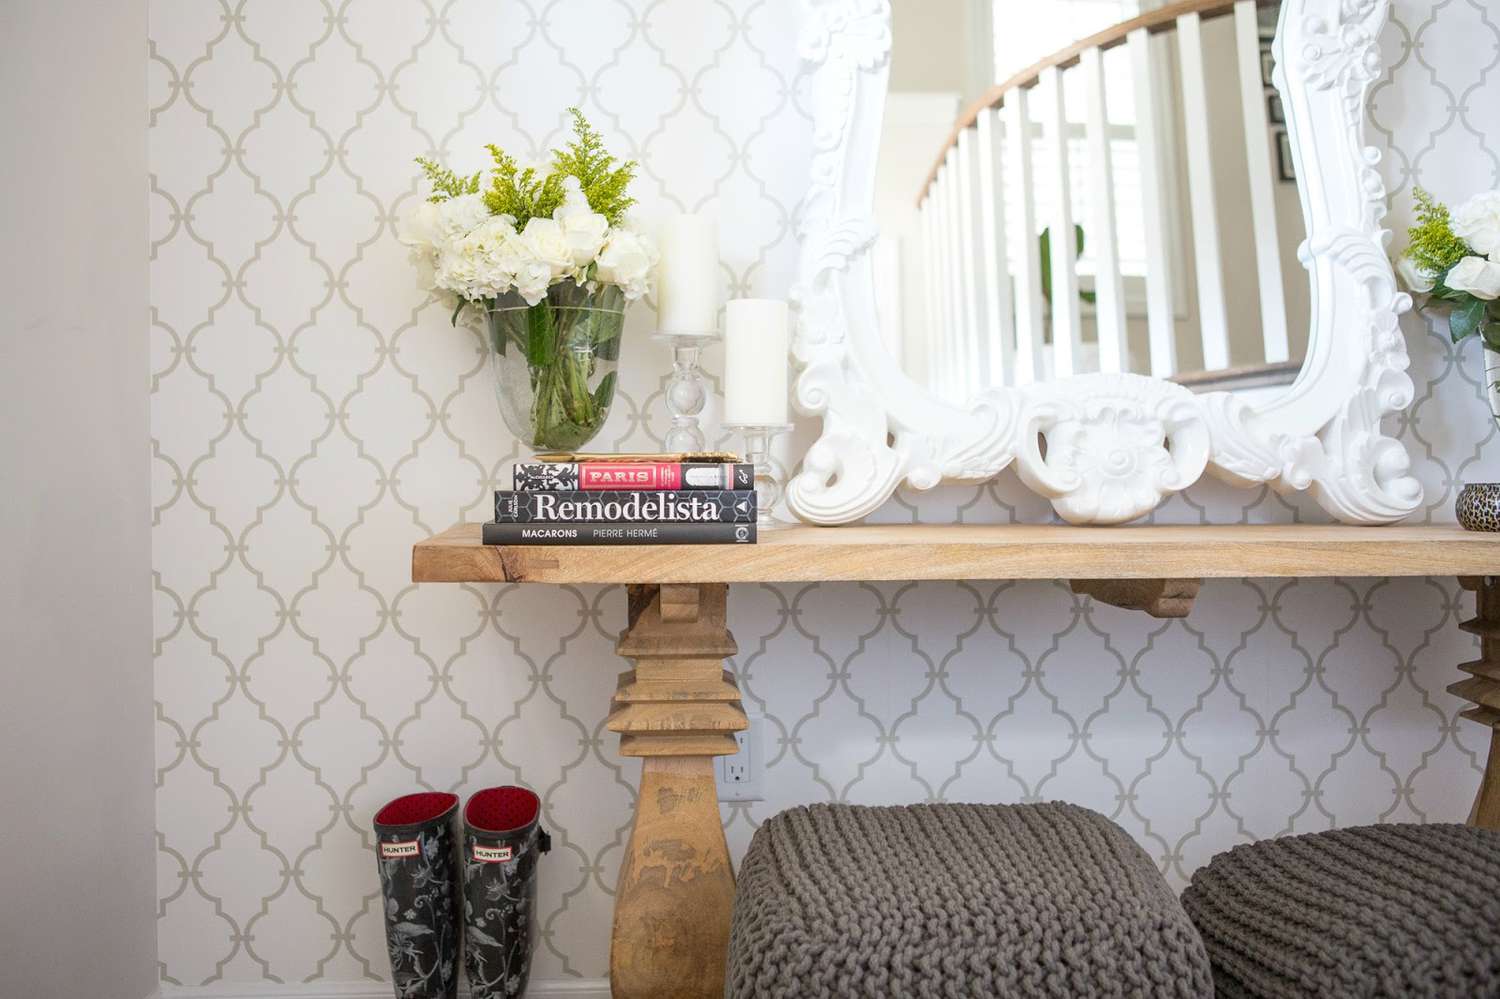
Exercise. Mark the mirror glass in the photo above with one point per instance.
(1150, 130)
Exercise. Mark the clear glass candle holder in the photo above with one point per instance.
(768, 484)
(686, 393)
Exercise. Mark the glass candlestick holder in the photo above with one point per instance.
(685, 392)
(768, 485)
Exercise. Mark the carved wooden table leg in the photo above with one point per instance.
(679, 708)
(1483, 688)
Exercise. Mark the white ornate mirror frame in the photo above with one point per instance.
(1116, 444)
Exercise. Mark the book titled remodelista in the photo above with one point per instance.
(697, 506)
(495, 533)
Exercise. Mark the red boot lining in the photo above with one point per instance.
(420, 807)
(502, 809)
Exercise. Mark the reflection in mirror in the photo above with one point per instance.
(1149, 131)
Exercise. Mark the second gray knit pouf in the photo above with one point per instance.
(979, 901)
(1376, 912)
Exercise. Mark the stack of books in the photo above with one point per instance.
(626, 499)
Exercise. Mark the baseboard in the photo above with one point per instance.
(557, 988)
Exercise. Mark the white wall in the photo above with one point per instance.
(925, 60)
(78, 910)
(915, 128)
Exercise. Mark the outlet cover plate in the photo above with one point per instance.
(739, 776)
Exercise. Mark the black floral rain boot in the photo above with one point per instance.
(502, 842)
(415, 842)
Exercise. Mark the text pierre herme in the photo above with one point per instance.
(644, 507)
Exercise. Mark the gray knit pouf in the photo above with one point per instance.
(956, 901)
(1377, 911)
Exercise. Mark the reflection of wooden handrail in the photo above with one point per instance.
(1156, 21)
(1272, 373)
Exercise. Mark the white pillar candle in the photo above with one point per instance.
(687, 278)
(756, 337)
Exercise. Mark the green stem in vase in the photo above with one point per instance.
(563, 412)
(545, 412)
(574, 359)
(540, 349)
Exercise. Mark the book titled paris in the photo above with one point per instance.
(544, 476)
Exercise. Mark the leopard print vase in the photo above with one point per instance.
(1479, 506)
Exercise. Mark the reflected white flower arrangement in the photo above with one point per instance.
(1454, 258)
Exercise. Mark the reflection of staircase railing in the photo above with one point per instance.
(989, 306)
(1250, 376)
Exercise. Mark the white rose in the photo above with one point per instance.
(583, 227)
(458, 216)
(420, 227)
(1477, 276)
(546, 243)
(506, 251)
(1416, 277)
(532, 280)
(627, 260)
(1477, 222)
(501, 254)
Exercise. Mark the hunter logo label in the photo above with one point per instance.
(491, 854)
(398, 851)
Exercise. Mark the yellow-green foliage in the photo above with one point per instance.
(603, 183)
(445, 183)
(521, 194)
(1433, 245)
(525, 194)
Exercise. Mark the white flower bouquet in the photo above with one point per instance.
(549, 262)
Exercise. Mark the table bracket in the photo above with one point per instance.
(1157, 597)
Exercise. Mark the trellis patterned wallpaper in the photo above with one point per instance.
(313, 416)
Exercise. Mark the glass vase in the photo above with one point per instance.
(554, 363)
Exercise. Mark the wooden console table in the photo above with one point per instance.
(679, 708)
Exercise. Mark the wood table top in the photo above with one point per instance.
(969, 551)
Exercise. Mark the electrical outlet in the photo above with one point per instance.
(739, 775)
